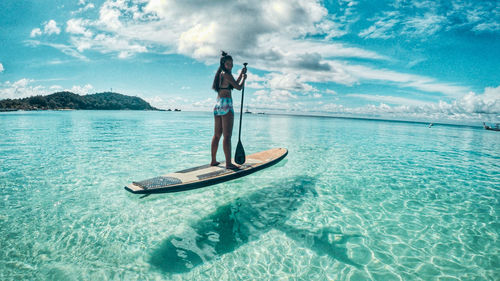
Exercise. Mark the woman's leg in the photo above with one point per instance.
(216, 138)
(227, 132)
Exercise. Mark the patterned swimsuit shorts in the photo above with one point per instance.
(223, 106)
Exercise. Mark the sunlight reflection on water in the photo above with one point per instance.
(355, 200)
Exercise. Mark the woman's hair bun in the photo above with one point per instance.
(224, 54)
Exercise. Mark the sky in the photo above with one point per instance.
(407, 60)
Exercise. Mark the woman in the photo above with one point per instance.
(223, 111)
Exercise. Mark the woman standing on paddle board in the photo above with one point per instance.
(223, 111)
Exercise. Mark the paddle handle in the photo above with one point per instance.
(242, 96)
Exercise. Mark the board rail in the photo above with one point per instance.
(187, 179)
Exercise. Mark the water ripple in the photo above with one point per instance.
(355, 200)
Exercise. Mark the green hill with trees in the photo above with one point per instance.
(68, 100)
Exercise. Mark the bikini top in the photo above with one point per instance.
(230, 87)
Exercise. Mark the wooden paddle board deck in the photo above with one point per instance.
(207, 175)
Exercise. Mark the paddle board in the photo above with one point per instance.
(207, 175)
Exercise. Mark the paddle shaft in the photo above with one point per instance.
(241, 110)
(241, 107)
(239, 156)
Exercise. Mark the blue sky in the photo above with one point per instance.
(420, 60)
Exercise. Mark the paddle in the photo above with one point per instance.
(239, 156)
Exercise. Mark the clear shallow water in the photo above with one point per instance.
(354, 200)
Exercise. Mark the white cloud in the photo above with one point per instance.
(273, 97)
(425, 25)
(473, 107)
(190, 28)
(81, 90)
(109, 15)
(206, 104)
(271, 35)
(21, 83)
(383, 27)
(331, 28)
(51, 28)
(27, 87)
(56, 88)
(176, 102)
(255, 81)
(487, 102)
(487, 27)
(76, 26)
(202, 34)
(289, 82)
(274, 100)
(389, 99)
(107, 44)
(479, 18)
(286, 75)
(426, 18)
(35, 32)
(201, 29)
(87, 7)
(423, 83)
(20, 89)
(66, 49)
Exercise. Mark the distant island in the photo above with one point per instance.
(68, 100)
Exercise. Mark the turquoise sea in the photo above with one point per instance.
(354, 200)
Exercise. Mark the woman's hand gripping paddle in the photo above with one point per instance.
(239, 156)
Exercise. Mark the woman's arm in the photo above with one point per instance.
(239, 77)
(242, 72)
(236, 84)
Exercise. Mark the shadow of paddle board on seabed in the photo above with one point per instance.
(245, 220)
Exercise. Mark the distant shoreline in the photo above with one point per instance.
(435, 123)
(381, 120)
(73, 109)
(72, 101)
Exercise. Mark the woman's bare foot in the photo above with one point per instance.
(214, 163)
(232, 167)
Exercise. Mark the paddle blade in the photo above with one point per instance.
(239, 156)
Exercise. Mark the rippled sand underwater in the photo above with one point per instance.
(353, 200)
